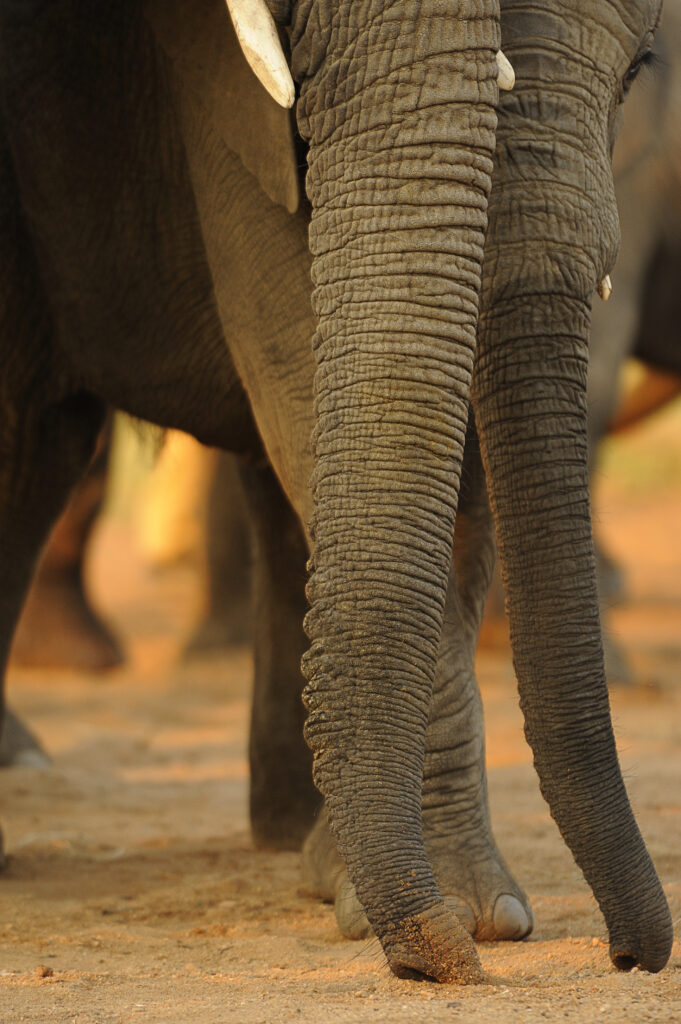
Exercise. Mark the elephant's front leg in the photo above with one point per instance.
(467, 864)
(283, 799)
(457, 830)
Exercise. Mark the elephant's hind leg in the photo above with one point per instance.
(469, 869)
(283, 799)
(227, 617)
(468, 866)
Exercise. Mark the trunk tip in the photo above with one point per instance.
(650, 956)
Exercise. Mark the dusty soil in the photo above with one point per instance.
(134, 894)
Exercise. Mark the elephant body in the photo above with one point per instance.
(647, 173)
(157, 252)
(641, 319)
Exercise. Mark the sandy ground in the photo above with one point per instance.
(133, 892)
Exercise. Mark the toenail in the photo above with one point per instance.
(510, 918)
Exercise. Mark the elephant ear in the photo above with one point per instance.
(198, 38)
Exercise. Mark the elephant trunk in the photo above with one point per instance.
(401, 145)
(552, 216)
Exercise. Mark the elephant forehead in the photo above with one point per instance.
(605, 35)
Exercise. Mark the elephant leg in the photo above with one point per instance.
(227, 618)
(18, 745)
(283, 799)
(40, 462)
(469, 869)
(58, 627)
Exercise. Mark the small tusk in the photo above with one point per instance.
(605, 288)
(259, 41)
(506, 76)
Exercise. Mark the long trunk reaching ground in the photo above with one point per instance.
(400, 117)
(533, 431)
(552, 236)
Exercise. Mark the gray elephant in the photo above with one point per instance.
(643, 314)
(156, 257)
(647, 173)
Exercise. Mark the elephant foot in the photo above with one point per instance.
(478, 887)
(434, 946)
(323, 868)
(475, 882)
(58, 629)
(18, 745)
(324, 876)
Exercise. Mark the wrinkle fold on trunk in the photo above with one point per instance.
(552, 218)
(401, 120)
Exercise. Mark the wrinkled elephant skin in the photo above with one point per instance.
(157, 257)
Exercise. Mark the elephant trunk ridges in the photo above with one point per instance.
(400, 117)
(552, 215)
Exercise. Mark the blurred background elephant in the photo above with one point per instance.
(643, 317)
(186, 503)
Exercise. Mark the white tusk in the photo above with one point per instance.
(259, 41)
(506, 76)
(605, 288)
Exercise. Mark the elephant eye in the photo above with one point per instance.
(646, 59)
